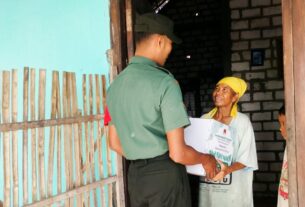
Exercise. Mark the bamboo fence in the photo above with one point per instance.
(65, 160)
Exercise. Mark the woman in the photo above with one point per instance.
(232, 186)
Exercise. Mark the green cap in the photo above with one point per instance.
(156, 23)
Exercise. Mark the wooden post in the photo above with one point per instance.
(25, 134)
(41, 116)
(129, 28)
(117, 29)
(294, 70)
(33, 133)
(6, 137)
(15, 135)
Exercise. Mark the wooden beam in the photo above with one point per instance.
(6, 127)
(298, 11)
(129, 28)
(117, 31)
(74, 192)
(294, 71)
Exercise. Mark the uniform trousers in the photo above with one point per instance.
(158, 182)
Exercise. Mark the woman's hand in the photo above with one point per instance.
(223, 171)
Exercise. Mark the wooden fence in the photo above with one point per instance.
(66, 160)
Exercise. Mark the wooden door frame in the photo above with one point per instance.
(294, 71)
(122, 49)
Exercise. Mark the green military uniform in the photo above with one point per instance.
(145, 102)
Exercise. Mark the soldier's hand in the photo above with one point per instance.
(210, 166)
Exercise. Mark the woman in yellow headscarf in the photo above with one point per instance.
(232, 186)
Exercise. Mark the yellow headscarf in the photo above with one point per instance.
(239, 86)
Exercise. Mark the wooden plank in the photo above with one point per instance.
(74, 192)
(298, 26)
(70, 133)
(6, 137)
(41, 116)
(104, 90)
(129, 29)
(109, 168)
(289, 99)
(25, 133)
(33, 133)
(52, 133)
(77, 151)
(99, 137)
(7, 127)
(91, 137)
(109, 165)
(59, 140)
(117, 29)
(66, 134)
(15, 136)
(120, 183)
(87, 153)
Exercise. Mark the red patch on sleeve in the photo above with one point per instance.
(107, 117)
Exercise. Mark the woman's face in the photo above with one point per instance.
(282, 121)
(224, 96)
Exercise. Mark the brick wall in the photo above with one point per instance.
(200, 60)
(257, 24)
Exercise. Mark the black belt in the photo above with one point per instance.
(165, 156)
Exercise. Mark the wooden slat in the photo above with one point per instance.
(91, 137)
(120, 183)
(109, 166)
(25, 134)
(104, 90)
(66, 135)
(41, 116)
(99, 137)
(15, 136)
(74, 192)
(87, 153)
(77, 151)
(59, 140)
(52, 133)
(6, 137)
(33, 133)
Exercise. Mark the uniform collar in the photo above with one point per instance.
(143, 60)
(147, 61)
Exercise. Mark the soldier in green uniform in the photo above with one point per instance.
(148, 120)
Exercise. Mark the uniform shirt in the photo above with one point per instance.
(236, 188)
(145, 102)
